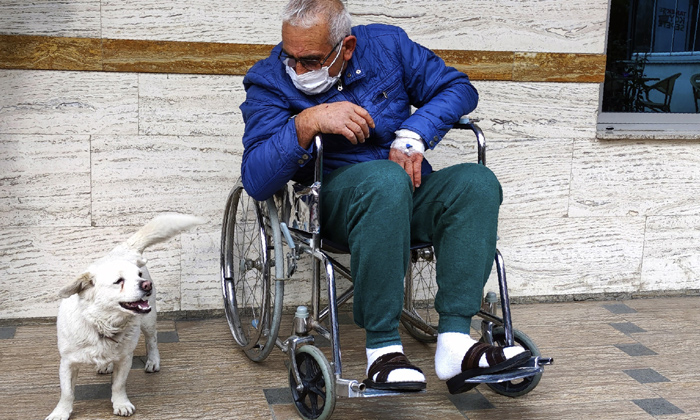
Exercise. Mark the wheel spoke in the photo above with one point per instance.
(422, 295)
(313, 400)
(319, 390)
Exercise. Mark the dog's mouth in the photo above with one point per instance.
(140, 306)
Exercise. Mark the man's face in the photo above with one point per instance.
(311, 44)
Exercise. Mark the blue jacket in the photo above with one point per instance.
(386, 75)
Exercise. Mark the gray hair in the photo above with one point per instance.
(306, 13)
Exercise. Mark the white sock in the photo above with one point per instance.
(397, 375)
(451, 349)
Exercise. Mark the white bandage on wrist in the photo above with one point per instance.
(408, 142)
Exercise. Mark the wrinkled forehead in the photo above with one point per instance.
(301, 41)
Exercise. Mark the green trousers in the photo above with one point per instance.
(372, 208)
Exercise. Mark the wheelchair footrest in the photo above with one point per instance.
(530, 368)
(371, 392)
(356, 389)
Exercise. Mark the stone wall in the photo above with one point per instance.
(89, 156)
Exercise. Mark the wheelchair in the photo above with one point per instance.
(261, 245)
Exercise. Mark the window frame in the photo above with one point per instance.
(624, 125)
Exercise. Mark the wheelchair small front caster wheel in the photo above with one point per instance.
(315, 398)
(522, 386)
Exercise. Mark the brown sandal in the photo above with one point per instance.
(470, 365)
(384, 365)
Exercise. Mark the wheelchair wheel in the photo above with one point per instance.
(316, 400)
(419, 296)
(521, 386)
(246, 257)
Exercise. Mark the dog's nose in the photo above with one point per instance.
(146, 285)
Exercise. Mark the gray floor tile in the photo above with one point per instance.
(619, 308)
(646, 376)
(636, 350)
(168, 337)
(138, 362)
(278, 396)
(7, 333)
(658, 406)
(93, 392)
(470, 401)
(627, 327)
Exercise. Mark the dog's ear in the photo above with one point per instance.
(83, 282)
(141, 262)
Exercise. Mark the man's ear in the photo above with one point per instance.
(83, 282)
(350, 42)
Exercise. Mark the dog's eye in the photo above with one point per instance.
(121, 280)
(140, 274)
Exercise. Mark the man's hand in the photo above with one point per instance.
(411, 164)
(344, 118)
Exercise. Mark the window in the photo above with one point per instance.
(652, 77)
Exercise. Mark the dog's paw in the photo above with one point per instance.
(152, 366)
(58, 414)
(124, 409)
(103, 370)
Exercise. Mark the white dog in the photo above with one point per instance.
(104, 309)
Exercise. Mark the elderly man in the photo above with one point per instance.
(357, 86)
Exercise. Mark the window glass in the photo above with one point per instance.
(653, 57)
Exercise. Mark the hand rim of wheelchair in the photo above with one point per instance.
(318, 382)
(263, 325)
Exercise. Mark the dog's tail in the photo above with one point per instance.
(160, 229)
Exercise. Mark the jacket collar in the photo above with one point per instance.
(354, 71)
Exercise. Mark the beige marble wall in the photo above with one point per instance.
(87, 157)
(505, 25)
(72, 18)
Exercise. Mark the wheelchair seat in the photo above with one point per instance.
(336, 248)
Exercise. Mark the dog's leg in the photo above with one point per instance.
(108, 368)
(150, 331)
(150, 335)
(120, 402)
(68, 372)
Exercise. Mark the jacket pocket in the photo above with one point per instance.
(385, 95)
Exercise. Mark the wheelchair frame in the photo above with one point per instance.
(291, 219)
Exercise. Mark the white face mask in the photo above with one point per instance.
(316, 81)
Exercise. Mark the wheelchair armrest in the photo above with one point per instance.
(466, 123)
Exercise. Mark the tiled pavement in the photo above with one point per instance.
(613, 360)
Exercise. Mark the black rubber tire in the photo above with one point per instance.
(521, 386)
(317, 399)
